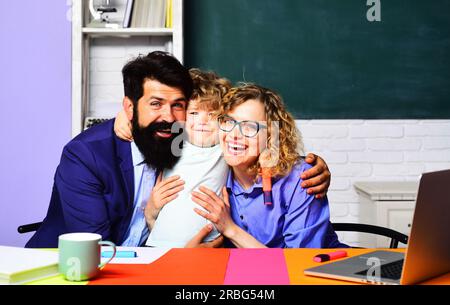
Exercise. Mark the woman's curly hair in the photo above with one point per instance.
(289, 137)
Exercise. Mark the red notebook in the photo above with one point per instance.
(200, 266)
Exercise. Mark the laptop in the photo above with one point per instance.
(428, 251)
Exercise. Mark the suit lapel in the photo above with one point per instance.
(126, 167)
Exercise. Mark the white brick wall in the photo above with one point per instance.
(106, 60)
(364, 150)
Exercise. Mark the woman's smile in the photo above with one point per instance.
(236, 148)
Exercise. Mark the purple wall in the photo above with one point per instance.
(35, 95)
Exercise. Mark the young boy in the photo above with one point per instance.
(201, 163)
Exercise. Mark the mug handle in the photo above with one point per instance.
(107, 243)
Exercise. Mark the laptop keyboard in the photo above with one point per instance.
(391, 271)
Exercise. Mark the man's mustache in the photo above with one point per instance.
(175, 127)
(158, 126)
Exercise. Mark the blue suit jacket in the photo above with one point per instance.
(93, 189)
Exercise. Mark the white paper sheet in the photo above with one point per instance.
(145, 255)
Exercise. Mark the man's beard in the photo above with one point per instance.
(157, 151)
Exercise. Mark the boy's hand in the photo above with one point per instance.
(123, 127)
(196, 241)
(317, 179)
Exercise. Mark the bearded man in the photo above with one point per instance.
(102, 182)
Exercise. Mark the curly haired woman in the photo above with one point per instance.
(255, 128)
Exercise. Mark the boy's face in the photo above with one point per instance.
(201, 125)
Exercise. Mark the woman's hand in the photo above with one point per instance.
(317, 179)
(163, 192)
(218, 209)
(123, 127)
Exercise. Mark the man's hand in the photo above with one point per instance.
(163, 192)
(196, 241)
(317, 179)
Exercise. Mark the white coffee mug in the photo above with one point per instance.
(80, 254)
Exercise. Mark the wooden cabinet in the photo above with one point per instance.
(386, 204)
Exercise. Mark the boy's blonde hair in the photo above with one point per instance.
(209, 89)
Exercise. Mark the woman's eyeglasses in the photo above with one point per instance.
(248, 129)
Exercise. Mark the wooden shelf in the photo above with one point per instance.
(86, 37)
(127, 31)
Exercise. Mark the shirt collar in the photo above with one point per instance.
(237, 189)
(138, 158)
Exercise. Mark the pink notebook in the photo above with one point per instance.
(256, 267)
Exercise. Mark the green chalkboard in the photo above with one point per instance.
(325, 58)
